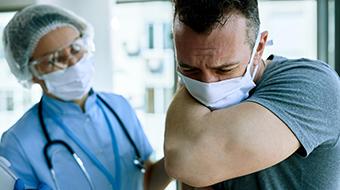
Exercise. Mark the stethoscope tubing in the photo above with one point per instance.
(137, 161)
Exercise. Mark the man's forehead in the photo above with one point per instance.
(231, 22)
(215, 45)
(229, 33)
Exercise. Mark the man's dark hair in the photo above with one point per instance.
(203, 16)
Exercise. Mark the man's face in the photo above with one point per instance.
(222, 54)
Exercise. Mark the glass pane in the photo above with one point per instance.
(14, 99)
(292, 25)
(144, 63)
(331, 34)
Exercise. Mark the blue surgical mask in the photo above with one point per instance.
(222, 94)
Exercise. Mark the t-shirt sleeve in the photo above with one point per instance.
(305, 95)
(11, 149)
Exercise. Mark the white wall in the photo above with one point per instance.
(98, 13)
(14, 4)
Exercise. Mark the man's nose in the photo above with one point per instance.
(208, 77)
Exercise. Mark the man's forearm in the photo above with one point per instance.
(185, 111)
(199, 141)
(182, 134)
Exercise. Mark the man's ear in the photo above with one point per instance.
(261, 47)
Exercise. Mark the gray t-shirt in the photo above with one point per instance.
(305, 95)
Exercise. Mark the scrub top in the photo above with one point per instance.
(23, 144)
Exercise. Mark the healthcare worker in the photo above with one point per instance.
(75, 137)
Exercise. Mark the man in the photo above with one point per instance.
(75, 137)
(241, 122)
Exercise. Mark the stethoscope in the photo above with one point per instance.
(138, 162)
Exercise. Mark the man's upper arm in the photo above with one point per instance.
(213, 150)
(287, 111)
(255, 139)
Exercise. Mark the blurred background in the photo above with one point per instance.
(135, 57)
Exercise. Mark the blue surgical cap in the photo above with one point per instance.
(27, 27)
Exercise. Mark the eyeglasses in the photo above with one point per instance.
(59, 59)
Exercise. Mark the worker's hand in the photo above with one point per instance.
(43, 186)
(20, 185)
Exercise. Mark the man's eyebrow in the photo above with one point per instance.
(226, 65)
(181, 64)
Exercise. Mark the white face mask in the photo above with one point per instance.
(74, 82)
(222, 94)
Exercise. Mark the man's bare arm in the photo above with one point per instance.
(155, 177)
(204, 147)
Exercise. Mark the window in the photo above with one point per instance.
(144, 63)
(14, 99)
(331, 33)
(292, 25)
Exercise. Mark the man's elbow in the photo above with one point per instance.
(181, 168)
(171, 163)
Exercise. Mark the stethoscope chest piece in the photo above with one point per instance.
(139, 164)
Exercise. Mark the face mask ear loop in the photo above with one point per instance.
(34, 72)
(255, 71)
(253, 55)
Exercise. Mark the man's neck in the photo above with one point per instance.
(262, 67)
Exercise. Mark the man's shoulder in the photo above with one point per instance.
(310, 71)
(305, 94)
(304, 78)
(284, 64)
